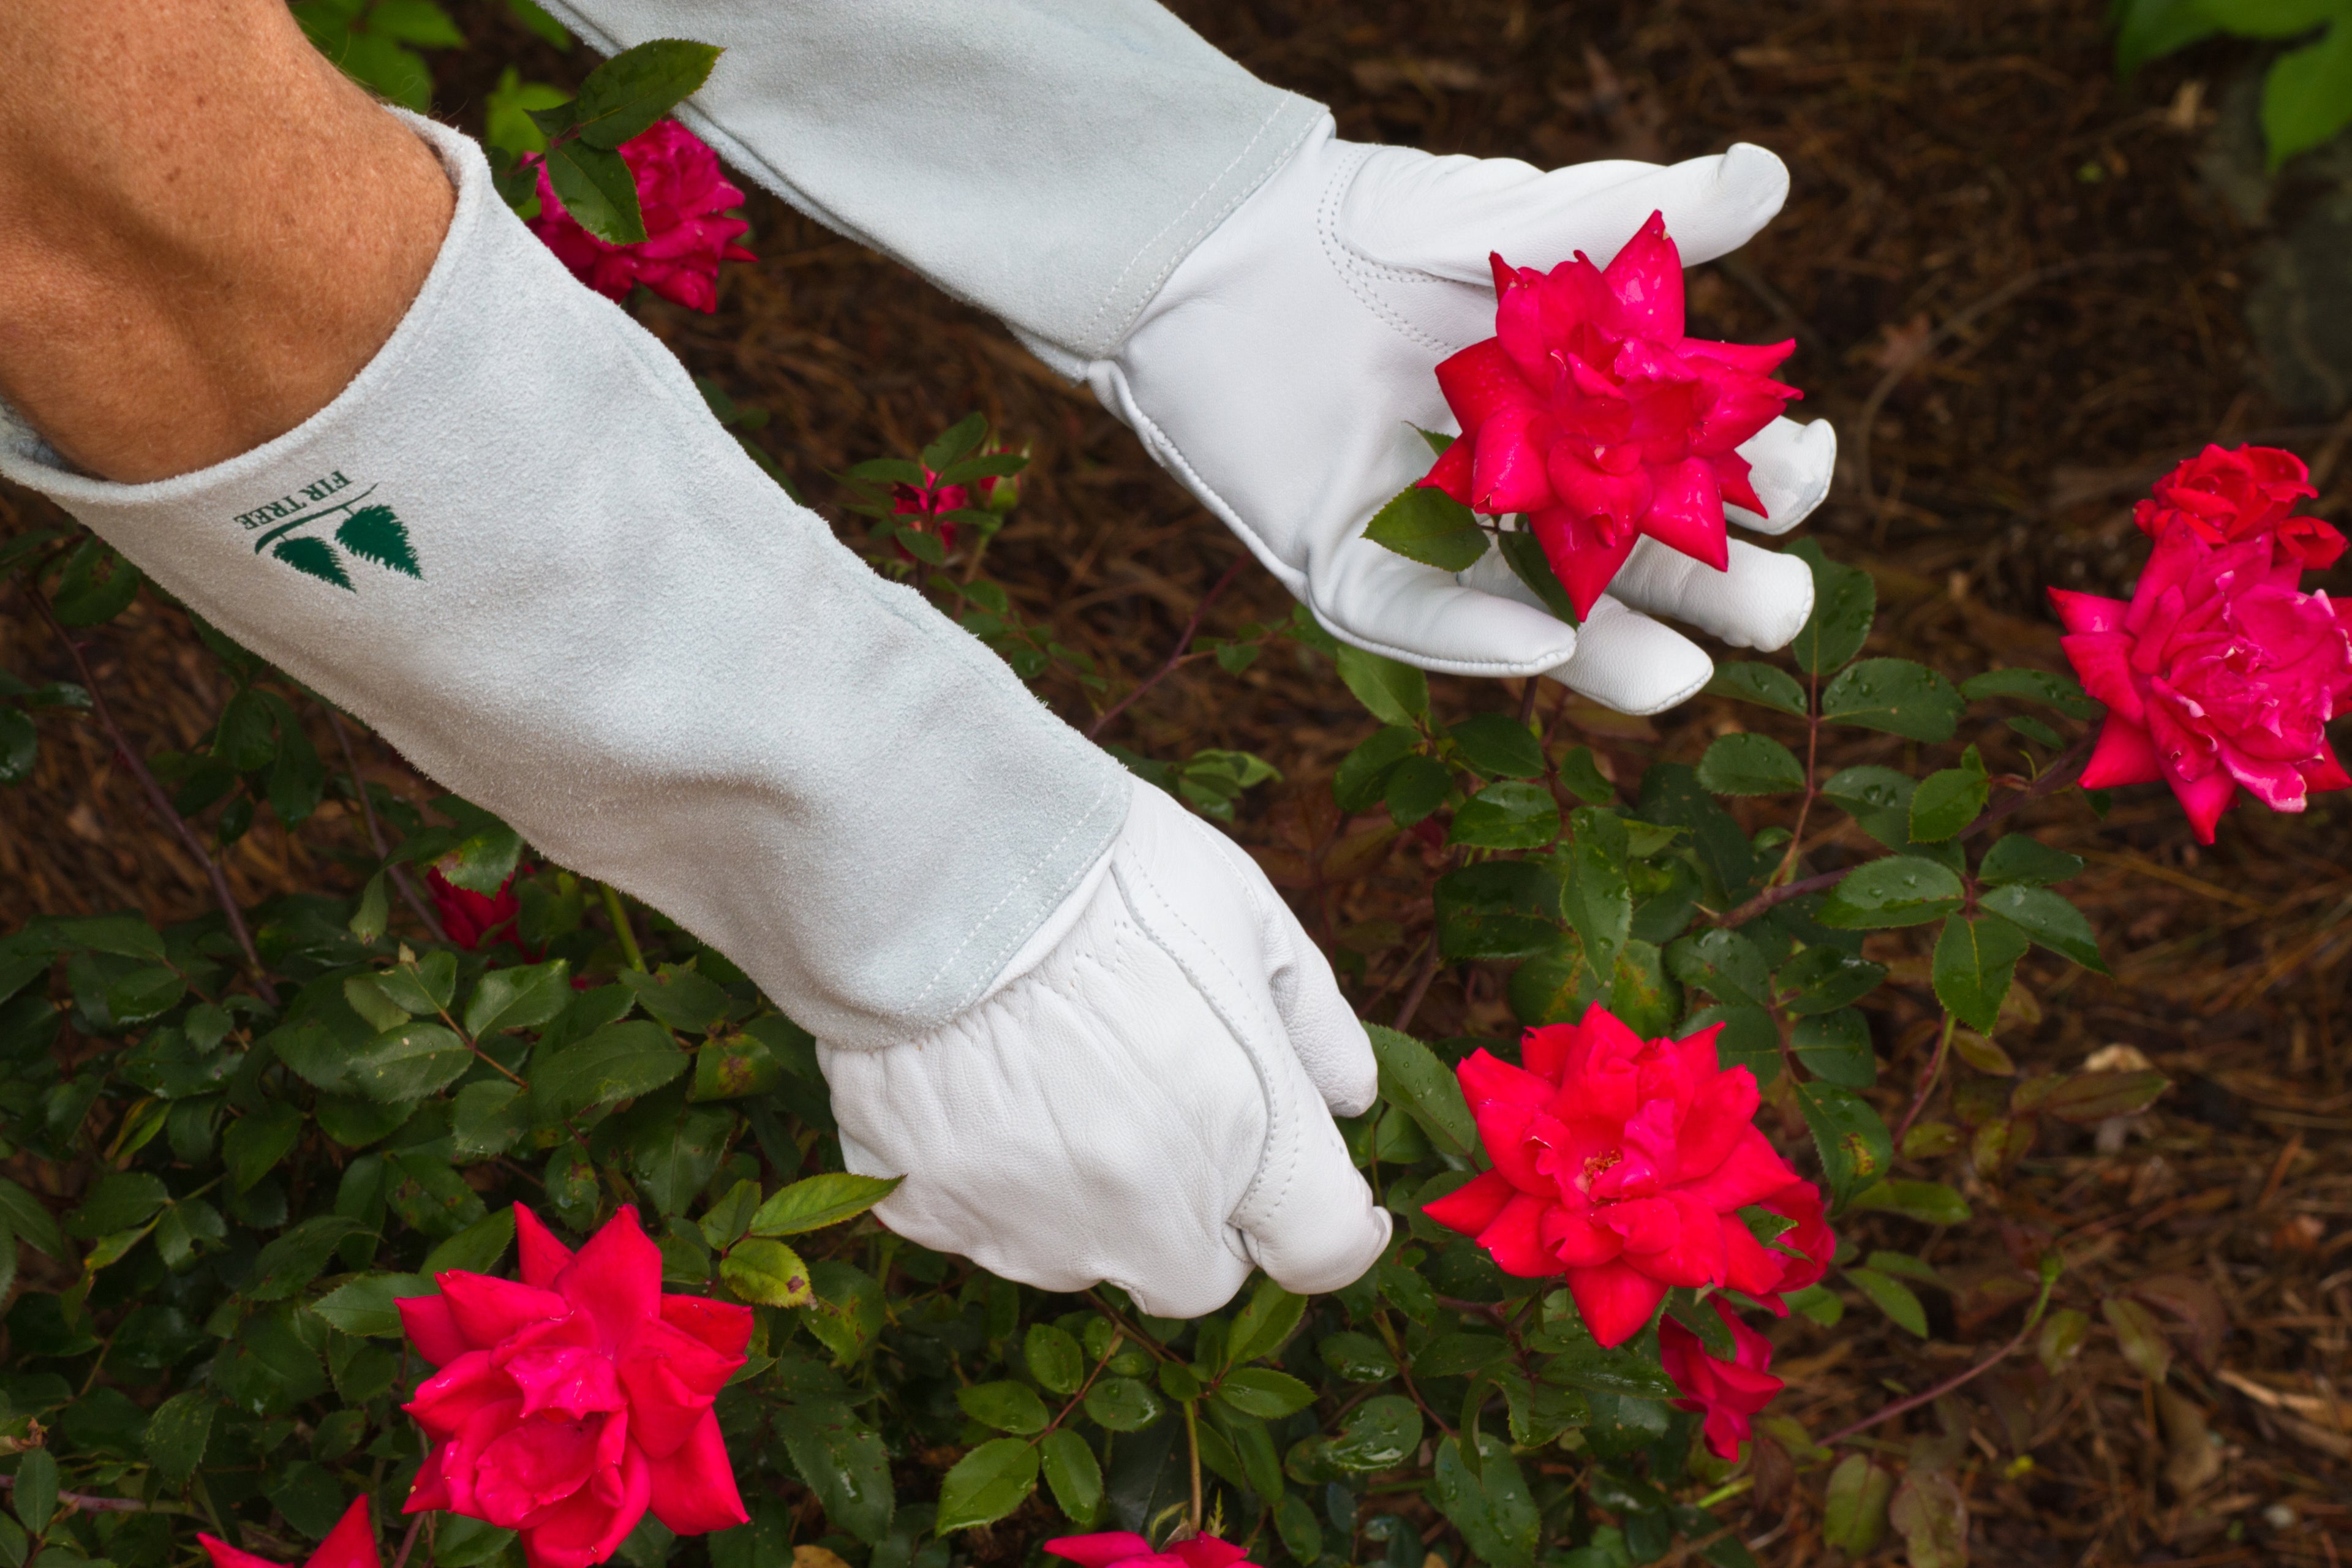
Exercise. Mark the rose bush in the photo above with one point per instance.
(1729, 1392)
(684, 198)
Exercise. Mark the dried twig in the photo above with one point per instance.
(104, 713)
(91, 1502)
(400, 876)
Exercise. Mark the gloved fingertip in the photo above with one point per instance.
(1338, 1266)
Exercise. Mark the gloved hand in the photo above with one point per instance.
(518, 544)
(1140, 1097)
(1280, 370)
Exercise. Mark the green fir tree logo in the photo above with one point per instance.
(371, 532)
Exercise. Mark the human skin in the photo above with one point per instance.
(205, 230)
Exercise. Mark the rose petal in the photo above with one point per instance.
(352, 1544)
(616, 1278)
(586, 1527)
(427, 1322)
(487, 1310)
(542, 1255)
(1104, 1547)
(1515, 1240)
(1615, 1299)
(448, 1399)
(723, 1325)
(1472, 1206)
(693, 1488)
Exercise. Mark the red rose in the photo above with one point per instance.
(682, 193)
(2226, 496)
(1622, 1164)
(1124, 1548)
(1804, 1249)
(2218, 673)
(1590, 411)
(351, 1544)
(470, 919)
(570, 1404)
(1729, 1392)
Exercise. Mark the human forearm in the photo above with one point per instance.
(165, 243)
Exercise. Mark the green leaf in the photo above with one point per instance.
(1073, 1475)
(2051, 920)
(1892, 1297)
(625, 96)
(597, 189)
(20, 745)
(1596, 894)
(1359, 1358)
(673, 1154)
(419, 22)
(1878, 798)
(1379, 1435)
(1272, 1313)
(1416, 787)
(1723, 963)
(1895, 695)
(487, 1119)
(1498, 909)
(1856, 1147)
(1823, 979)
(1599, 1370)
(2017, 859)
(1007, 1406)
(1930, 1203)
(1844, 601)
(36, 1491)
(2062, 692)
(1853, 1511)
(2307, 96)
(409, 1063)
(29, 1221)
(253, 1144)
(1498, 746)
(1766, 684)
(2140, 1335)
(1123, 1404)
(97, 585)
(1947, 801)
(1750, 1037)
(1363, 775)
(428, 1193)
(507, 108)
(296, 1256)
(267, 1370)
(1394, 693)
(117, 1201)
(365, 1307)
(1055, 1359)
(1412, 1078)
(818, 1201)
(987, 1484)
(1263, 1391)
(685, 1000)
(1897, 890)
(619, 1061)
(1750, 765)
(179, 1432)
(1510, 815)
(1836, 1045)
(1974, 959)
(844, 1462)
(1524, 554)
(1423, 523)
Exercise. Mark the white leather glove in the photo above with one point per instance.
(1141, 1096)
(1279, 373)
(520, 546)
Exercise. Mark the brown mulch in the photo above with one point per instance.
(1943, 156)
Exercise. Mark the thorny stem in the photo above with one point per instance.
(1192, 1441)
(1421, 984)
(1175, 655)
(1956, 1379)
(156, 798)
(408, 1541)
(619, 914)
(400, 877)
(1927, 1081)
(90, 1502)
(2055, 777)
(1813, 774)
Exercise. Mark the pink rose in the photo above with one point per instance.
(1622, 1164)
(569, 1403)
(682, 194)
(1590, 411)
(1124, 1548)
(1729, 1392)
(351, 1544)
(925, 503)
(2218, 673)
(2225, 496)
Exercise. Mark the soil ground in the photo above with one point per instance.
(2017, 287)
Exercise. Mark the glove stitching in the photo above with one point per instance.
(1277, 1115)
(1013, 944)
(1349, 262)
(1169, 266)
